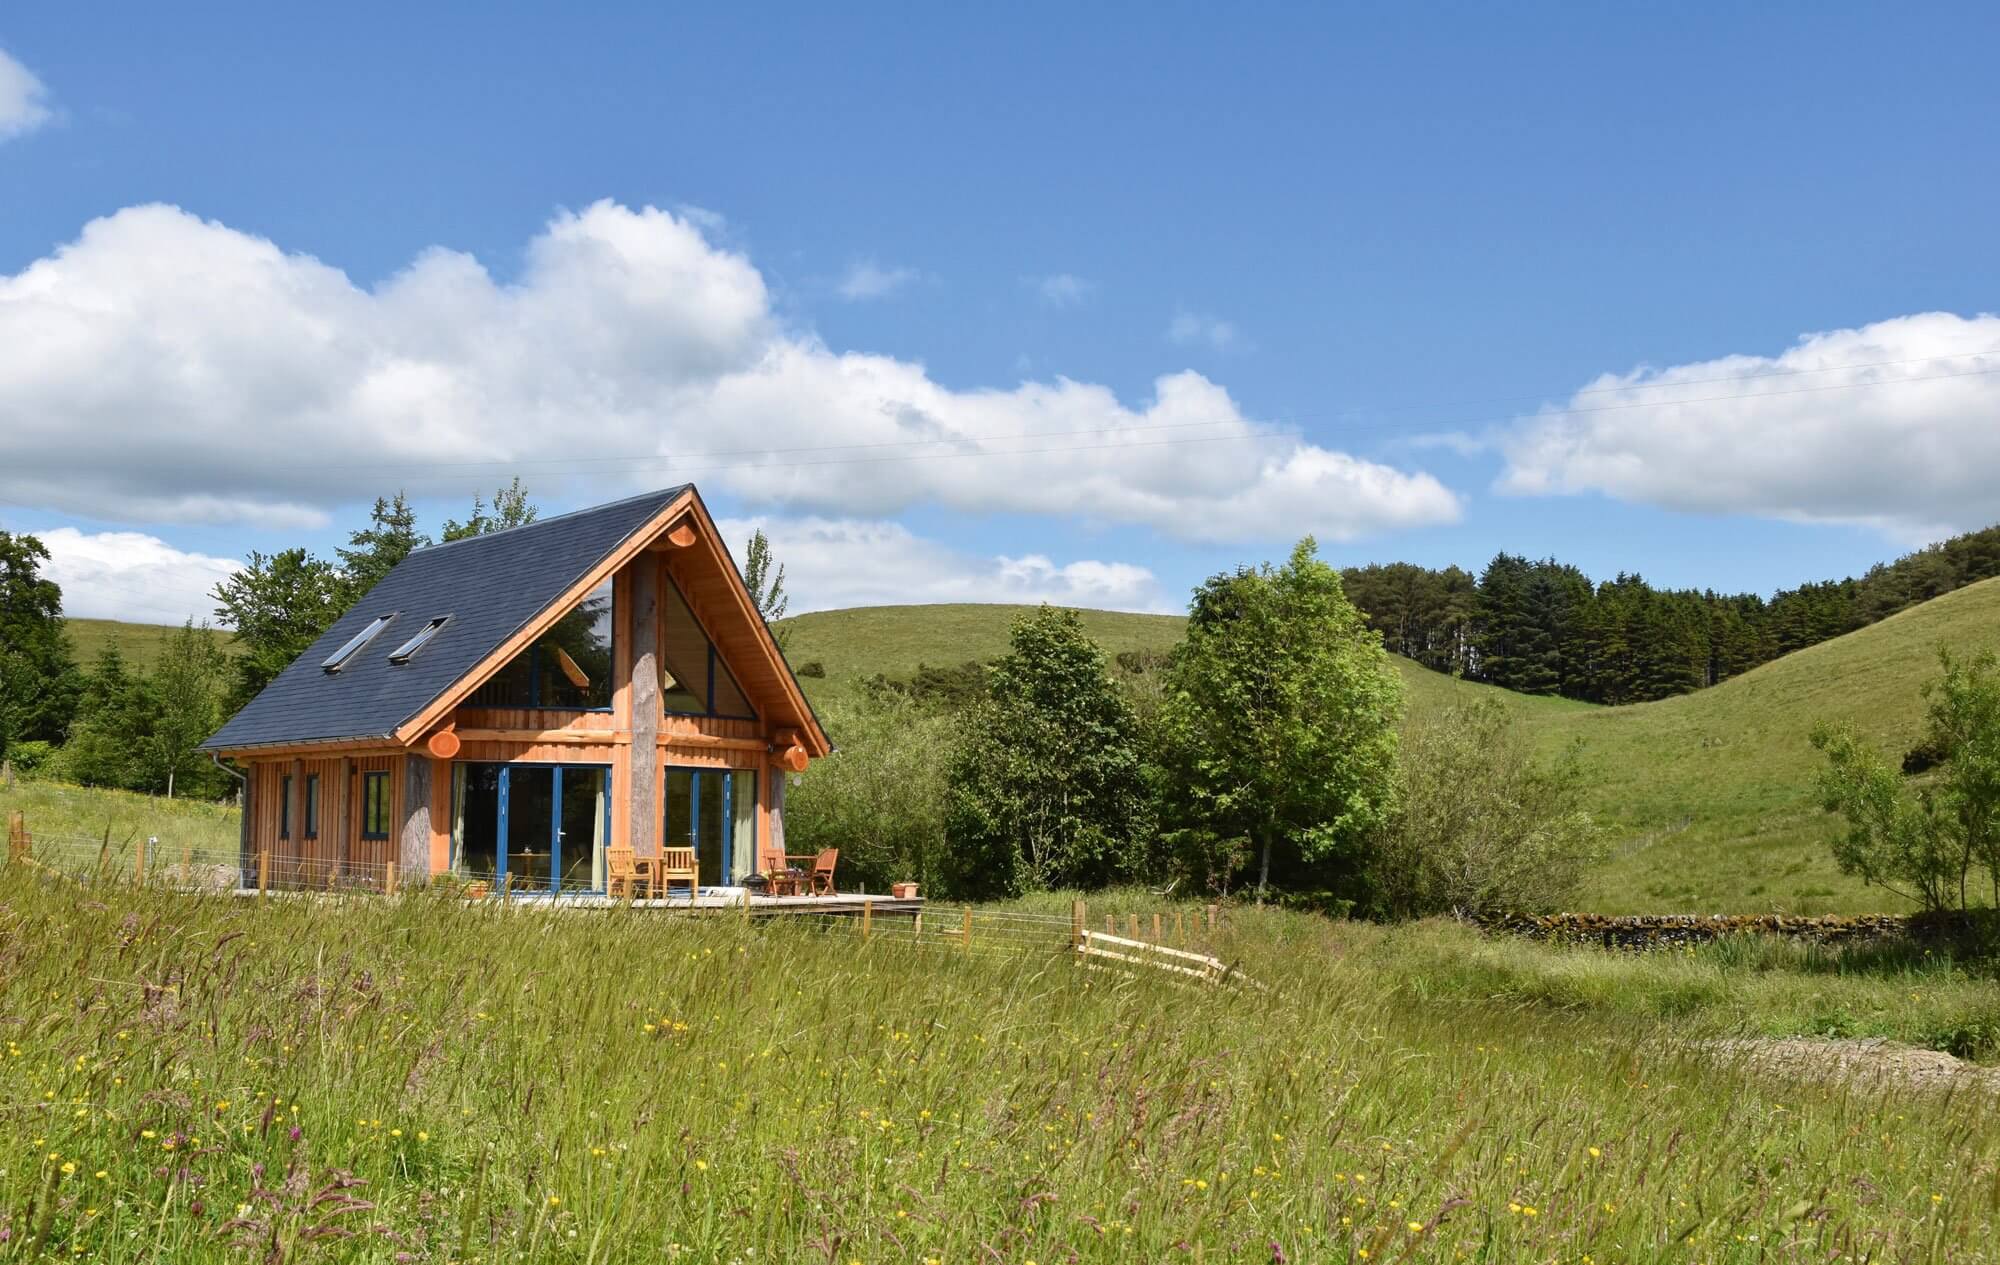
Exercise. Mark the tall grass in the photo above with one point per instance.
(197, 1078)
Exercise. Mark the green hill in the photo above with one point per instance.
(1707, 795)
(1711, 790)
(139, 643)
(855, 644)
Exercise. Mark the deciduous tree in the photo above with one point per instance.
(1046, 787)
(1280, 719)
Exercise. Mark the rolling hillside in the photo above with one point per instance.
(139, 643)
(1707, 795)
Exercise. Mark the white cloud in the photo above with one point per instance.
(131, 576)
(1895, 425)
(1062, 289)
(23, 100)
(162, 368)
(831, 563)
(867, 279)
(1189, 329)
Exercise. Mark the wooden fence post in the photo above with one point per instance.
(187, 864)
(867, 919)
(1180, 928)
(1076, 920)
(1211, 917)
(17, 837)
(965, 935)
(1156, 930)
(263, 872)
(1111, 924)
(746, 906)
(389, 879)
(1132, 926)
(139, 863)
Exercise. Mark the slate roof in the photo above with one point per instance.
(490, 585)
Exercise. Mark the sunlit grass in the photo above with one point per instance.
(317, 1081)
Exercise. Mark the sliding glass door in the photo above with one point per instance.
(714, 811)
(542, 825)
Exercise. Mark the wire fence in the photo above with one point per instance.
(1178, 941)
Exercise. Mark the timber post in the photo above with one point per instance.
(139, 862)
(1211, 917)
(263, 872)
(965, 934)
(1180, 928)
(1111, 924)
(1132, 926)
(389, 879)
(867, 919)
(1077, 915)
(1156, 930)
(17, 837)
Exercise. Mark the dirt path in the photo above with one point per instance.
(1872, 1059)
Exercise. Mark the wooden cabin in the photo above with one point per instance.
(511, 707)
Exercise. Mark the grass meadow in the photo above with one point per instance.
(194, 1078)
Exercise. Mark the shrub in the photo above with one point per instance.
(30, 758)
(879, 798)
(1479, 826)
(813, 668)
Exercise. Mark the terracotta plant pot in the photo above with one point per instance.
(903, 891)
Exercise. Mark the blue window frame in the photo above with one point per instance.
(312, 805)
(541, 824)
(567, 667)
(375, 805)
(713, 811)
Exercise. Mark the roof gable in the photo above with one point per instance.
(491, 586)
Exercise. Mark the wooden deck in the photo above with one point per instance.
(711, 900)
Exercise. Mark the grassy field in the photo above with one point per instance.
(139, 643)
(74, 815)
(204, 1078)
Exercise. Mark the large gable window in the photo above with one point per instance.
(568, 666)
(693, 678)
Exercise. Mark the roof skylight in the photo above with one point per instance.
(402, 653)
(338, 659)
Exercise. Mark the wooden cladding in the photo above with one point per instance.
(337, 846)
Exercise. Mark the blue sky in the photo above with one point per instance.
(1301, 269)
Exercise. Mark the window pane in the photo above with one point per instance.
(285, 807)
(710, 828)
(729, 700)
(684, 687)
(531, 797)
(475, 829)
(569, 666)
(582, 826)
(312, 806)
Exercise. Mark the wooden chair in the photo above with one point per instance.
(820, 870)
(675, 865)
(624, 877)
